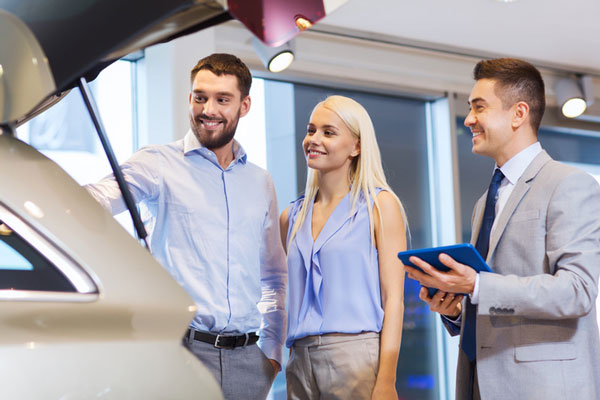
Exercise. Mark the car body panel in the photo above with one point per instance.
(120, 370)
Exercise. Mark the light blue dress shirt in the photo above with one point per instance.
(216, 231)
(334, 280)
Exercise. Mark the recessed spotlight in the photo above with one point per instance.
(302, 23)
(275, 59)
(573, 107)
(574, 95)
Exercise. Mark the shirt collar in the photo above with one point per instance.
(191, 144)
(514, 168)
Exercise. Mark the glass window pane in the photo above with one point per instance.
(10, 259)
(65, 132)
(570, 147)
(22, 267)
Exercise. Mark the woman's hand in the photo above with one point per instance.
(384, 391)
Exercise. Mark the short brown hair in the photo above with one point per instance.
(517, 81)
(222, 63)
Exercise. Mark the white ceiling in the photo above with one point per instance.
(559, 34)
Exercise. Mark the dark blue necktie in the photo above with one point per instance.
(482, 246)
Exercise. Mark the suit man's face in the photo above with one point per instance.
(490, 122)
(216, 105)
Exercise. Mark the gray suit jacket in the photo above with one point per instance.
(537, 334)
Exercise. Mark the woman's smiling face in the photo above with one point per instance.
(329, 144)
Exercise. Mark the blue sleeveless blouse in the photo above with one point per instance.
(333, 281)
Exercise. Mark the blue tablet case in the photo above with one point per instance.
(464, 253)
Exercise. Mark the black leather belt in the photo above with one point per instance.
(223, 341)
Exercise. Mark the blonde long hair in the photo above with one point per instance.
(366, 172)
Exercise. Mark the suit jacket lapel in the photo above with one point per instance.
(521, 188)
(477, 218)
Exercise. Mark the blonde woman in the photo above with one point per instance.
(345, 281)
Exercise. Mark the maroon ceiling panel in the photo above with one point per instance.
(274, 21)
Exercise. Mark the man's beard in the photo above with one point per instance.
(213, 141)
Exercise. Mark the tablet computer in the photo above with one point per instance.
(463, 253)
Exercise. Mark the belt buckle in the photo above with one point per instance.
(216, 344)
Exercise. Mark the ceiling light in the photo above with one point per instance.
(302, 23)
(574, 95)
(275, 59)
(573, 107)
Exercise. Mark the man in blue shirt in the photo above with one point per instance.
(214, 227)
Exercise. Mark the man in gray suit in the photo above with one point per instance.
(528, 330)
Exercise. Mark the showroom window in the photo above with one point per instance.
(65, 132)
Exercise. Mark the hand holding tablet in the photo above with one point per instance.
(463, 253)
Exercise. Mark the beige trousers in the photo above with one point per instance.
(333, 366)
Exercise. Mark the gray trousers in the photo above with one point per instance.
(242, 373)
(476, 394)
(333, 366)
